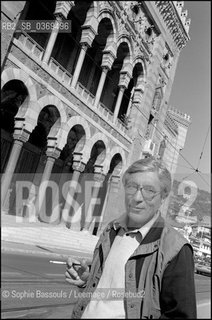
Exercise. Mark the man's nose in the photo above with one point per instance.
(138, 196)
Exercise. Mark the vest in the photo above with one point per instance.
(142, 301)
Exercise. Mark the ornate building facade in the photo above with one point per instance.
(88, 103)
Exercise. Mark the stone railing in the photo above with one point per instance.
(60, 71)
(108, 114)
(83, 92)
(29, 45)
(121, 125)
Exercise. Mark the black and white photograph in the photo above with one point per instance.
(105, 159)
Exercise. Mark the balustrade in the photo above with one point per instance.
(29, 45)
(60, 71)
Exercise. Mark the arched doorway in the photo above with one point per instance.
(13, 95)
(62, 171)
(91, 70)
(104, 191)
(67, 46)
(129, 92)
(111, 89)
(32, 159)
(87, 181)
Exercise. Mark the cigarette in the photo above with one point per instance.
(57, 262)
(64, 262)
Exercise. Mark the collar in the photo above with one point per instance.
(121, 223)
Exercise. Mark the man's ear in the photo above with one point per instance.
(164, 194)
(162, 200)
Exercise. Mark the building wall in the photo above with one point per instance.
(10, 13)
(82, 94)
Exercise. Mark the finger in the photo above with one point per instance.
(71, 261)
(72, 274)
(84, 265)
(75, 282)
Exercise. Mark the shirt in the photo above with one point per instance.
(112, 281)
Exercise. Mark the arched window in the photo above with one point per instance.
(157, 99)
(162, 148)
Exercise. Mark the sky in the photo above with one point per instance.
(191, 94)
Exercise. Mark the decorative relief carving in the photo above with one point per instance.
(174, 21)
(95, 118)
(44, 75)
(35, 68)
(64, 91)
(55, 84)
(104, 5)
(41, 90)
(136, 16)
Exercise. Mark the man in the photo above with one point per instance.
(139, 255)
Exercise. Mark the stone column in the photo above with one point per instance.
(112, 199)
(130, 103)
(84, 47)
(118, 102)
(125, 75)
(104, 207)
(19, 140)
(107, 61)
(100, 86)
(90, 220)
(78, 167)
(61, 13)
(52, 40)
(132, 111)
(89, 32)
(112, 191)
(52, 155)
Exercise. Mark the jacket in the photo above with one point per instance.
(144, 270)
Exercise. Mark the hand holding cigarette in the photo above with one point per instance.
(77, 272)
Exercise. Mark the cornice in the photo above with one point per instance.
(179, 116)
(175, 21)
(170, 124)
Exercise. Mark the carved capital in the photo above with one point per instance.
(99, 177)
(124, 79)
(21, 134)
(115, 180)
(88, 35)
(63, 8)
(114, 183)
(108, 59)
(138, 94)
(78, 166)
(53, 152)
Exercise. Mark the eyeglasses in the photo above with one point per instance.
(147, 192)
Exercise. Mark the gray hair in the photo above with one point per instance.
(151, 164)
